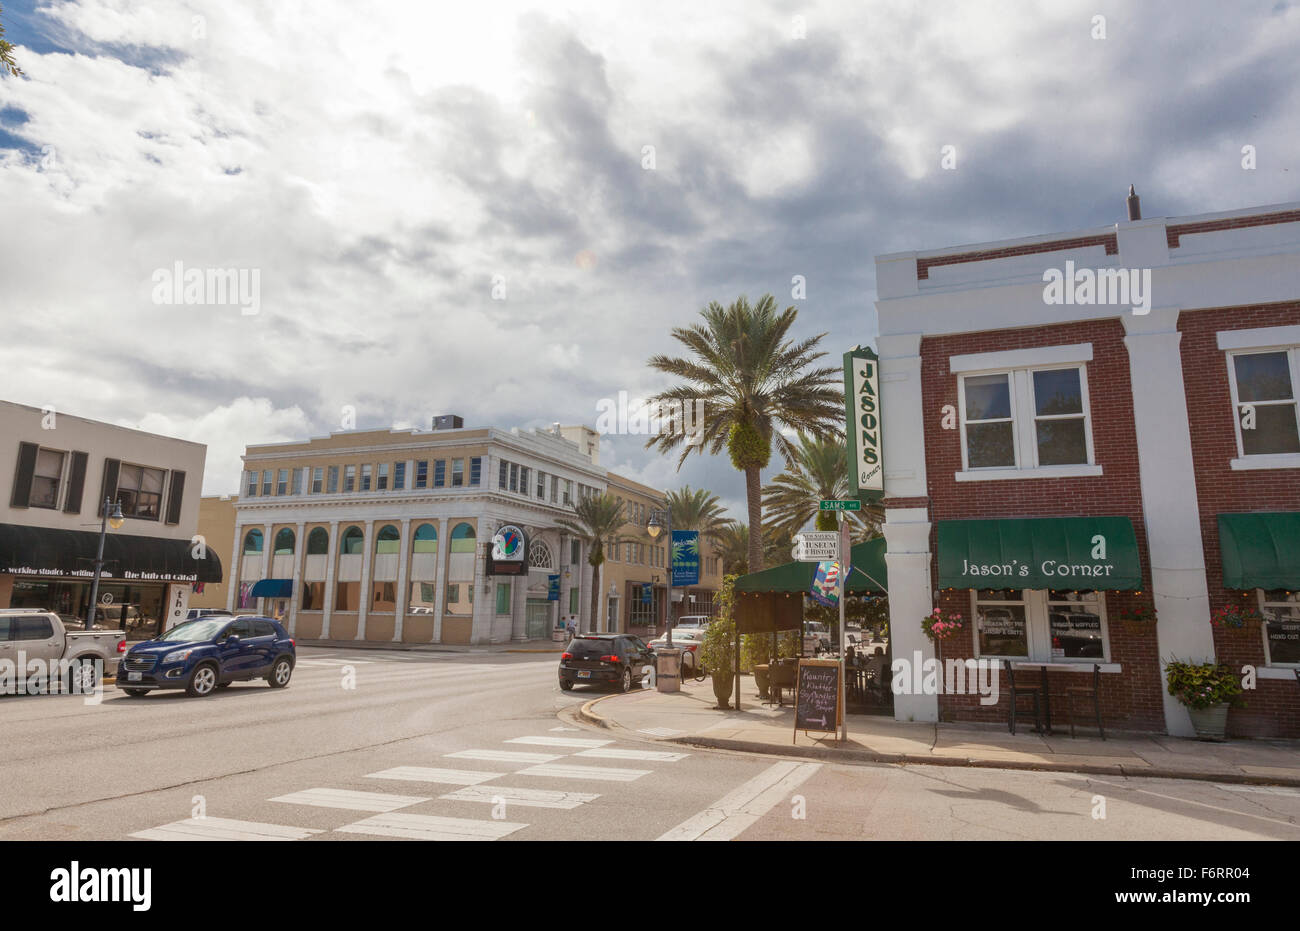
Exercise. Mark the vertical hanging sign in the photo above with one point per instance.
(862, 419)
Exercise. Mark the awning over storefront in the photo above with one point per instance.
(43, 551)
(1260, 550)
(868, 556)
(1042, 553)
(272, 588)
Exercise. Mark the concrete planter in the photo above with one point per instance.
(1210, 723)
(722, 686)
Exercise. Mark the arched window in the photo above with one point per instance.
(318, 542)
(353, 541)
(539, 555)
(462, 539)
(426, 539)
(388, 539)
(284, 541)
(253, 542)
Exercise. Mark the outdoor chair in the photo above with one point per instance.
(1088, 693)
(1032, 692)
(781, 676)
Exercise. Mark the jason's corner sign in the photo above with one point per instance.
(862, 419)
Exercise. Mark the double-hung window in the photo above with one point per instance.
(317, 480)
(399, 476)
(1264, 393)
(422, 473)
(1026, 422)
(523, 480)
(333, 484)
(514, 477)
(251, 490)
(365, 476)
(381, 477)
(457, 473)
(298, 476)
(266, 482)
(541, 485)
(349, 478)
(440, 473)
(282, 482)
(46, 478)
(475, 470)
(503, 479)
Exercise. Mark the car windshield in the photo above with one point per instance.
(201, 629)
(584, 647)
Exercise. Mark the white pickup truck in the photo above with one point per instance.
(36, 647)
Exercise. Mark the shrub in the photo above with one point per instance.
(1201, 685)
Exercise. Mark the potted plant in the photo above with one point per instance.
(1206, 689)
(716, 652)
(1234, 616)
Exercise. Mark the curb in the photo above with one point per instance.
(591, 717)
(911, 759)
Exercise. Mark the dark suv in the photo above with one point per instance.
(605, 659)
(210, 653)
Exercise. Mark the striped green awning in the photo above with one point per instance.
(1260, 550)
(1040, 552)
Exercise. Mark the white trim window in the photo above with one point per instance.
(1263, 384)
(1281, 610)
(47, 478)
(1040, 626)
(1026, 423)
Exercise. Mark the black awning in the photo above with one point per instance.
(45, 551)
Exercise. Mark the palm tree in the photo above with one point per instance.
(820, 471)
(597, 520)
(7, 62)
(696, 509)
(732, 542)
(753, 382)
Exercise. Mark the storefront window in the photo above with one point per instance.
(1001, 623)
(423, 598)
(644, 607)
(384, 597)
(140, 491)
(313, 596)
(253, 542)
(1074, 622)
(1281, 612)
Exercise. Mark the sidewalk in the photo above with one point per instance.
(689, 717)
(520, 646)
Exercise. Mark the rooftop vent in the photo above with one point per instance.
(1134, 204)
(448, 422)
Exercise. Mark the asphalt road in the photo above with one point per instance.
(383, 744)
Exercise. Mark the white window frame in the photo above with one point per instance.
(1038, 629)
(1024, 426)
(60, 481)
(1263, 630)
(1250, 461)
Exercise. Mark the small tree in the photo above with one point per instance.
(716, 652)
(597, 519)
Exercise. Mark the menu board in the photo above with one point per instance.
(817, 695)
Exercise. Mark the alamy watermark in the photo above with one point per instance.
(240, 287)
(33, 676)
(1120, 286)
(918, 676)
(639, 417)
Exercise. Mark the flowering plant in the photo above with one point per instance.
(1201, 685)
(1143, 613)
(1235, 616)
(940, 626)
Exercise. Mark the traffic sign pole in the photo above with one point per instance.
(844, 591)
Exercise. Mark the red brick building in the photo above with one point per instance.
(1082, 428)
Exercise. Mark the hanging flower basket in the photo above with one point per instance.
(1236, 616)
(939, 625)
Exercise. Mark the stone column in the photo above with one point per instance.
(299, 554)
(403, 573)
(1169, 502)
(440, 583)
(236, 566)
(331, 575)
(367, 561)
(519, 606)
(484, 604)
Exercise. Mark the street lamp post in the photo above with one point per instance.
(111, 514)
(654, 528)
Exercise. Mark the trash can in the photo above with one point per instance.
(668, 670)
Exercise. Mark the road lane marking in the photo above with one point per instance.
(572, 771)
(430, 827)
(455, 777)
(224, 829)
(649, 756)
(564, 728)
(529, 798)
(348, 799)
(504, 756)
(736, 811)
(583, 742)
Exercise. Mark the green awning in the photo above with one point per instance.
(798, 576)
(1260, 550)
(1040, 552)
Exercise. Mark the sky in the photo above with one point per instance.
(501, 209)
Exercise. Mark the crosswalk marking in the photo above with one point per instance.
(455, 777)
(529, 798)
(504, 756)
(612, 753)
(224, 829)
(658, 731)
(559, 741)
(573, 771)
(732, 814)
(354, 801)
(430, 827)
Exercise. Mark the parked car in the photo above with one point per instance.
(689, 641)
(693, 622)
(604, 659)
(209, 653)
(43, 636)
(816, 638)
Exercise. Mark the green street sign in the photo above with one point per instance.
(841, 504)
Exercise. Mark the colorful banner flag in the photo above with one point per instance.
(826, 584)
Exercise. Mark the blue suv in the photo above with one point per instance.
(209, 653)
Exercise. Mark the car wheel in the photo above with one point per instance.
(82, 677)
(625, 683)
(202, 681)
(566, 685)
(136, 693)
(280, 673)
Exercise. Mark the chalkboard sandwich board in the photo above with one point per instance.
(817, 696)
